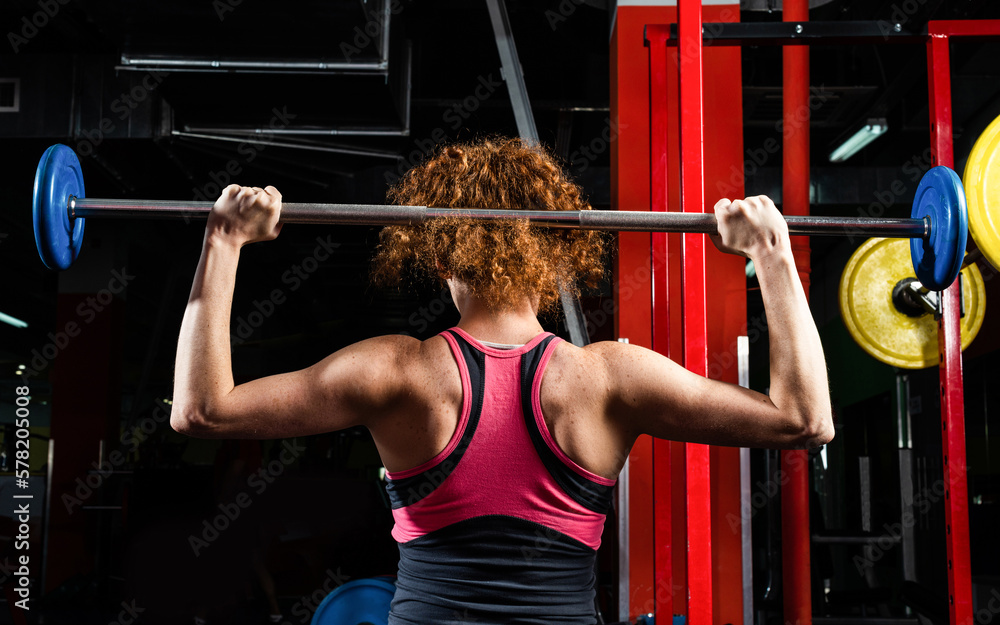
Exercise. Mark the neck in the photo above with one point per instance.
(514, 327)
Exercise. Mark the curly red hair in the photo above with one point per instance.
(501, 262)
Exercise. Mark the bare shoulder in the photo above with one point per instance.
(383, 367)
(578, 371)
(397, 349)
(610, 351)
(597, 362)
(624, 361)
(634, 374)
(617, 366)
(429, 370)
(614, 359)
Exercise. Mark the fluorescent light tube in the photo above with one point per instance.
(17, 323)
(874, 129)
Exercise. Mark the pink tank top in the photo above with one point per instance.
(502, 519)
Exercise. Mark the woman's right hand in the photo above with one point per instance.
(244, 215)
(751, 227)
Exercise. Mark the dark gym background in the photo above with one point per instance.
(130, 535)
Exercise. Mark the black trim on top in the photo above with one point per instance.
(409, 490)
(591, 495)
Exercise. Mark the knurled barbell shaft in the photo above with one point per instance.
(392, 215)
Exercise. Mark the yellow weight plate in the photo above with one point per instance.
(875, 323)
(982, 186)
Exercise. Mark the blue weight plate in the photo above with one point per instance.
(938, 258)
(58, 176)
(356, 602)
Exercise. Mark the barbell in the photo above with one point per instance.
(937, 227)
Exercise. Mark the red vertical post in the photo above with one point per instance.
(950, 345)
(697, 474)
(658, 148)
(795, 538)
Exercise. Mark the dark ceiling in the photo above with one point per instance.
(327, 107)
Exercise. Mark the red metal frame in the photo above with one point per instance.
(697, 474)
(968, 29)
(662, 458)
(795, 535)
(698, 485)
(950, 338)
(698, 517)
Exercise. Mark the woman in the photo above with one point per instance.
(502, 443)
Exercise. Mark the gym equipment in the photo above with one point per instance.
(58, 177)
(891, 315)
(941, 198)
(59, 206)
(982, 183)
(358, 602)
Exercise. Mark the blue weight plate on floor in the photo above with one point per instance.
(938, 259)
(58, 176)
(355, 603)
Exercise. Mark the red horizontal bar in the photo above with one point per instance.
(946, 28)
(964, 28)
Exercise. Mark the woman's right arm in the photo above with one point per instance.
(648, 393)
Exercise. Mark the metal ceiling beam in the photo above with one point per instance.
(196, 64)
(302, 131)
(510, 65)
(312, 147)
(191, 64)
(512, 73)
